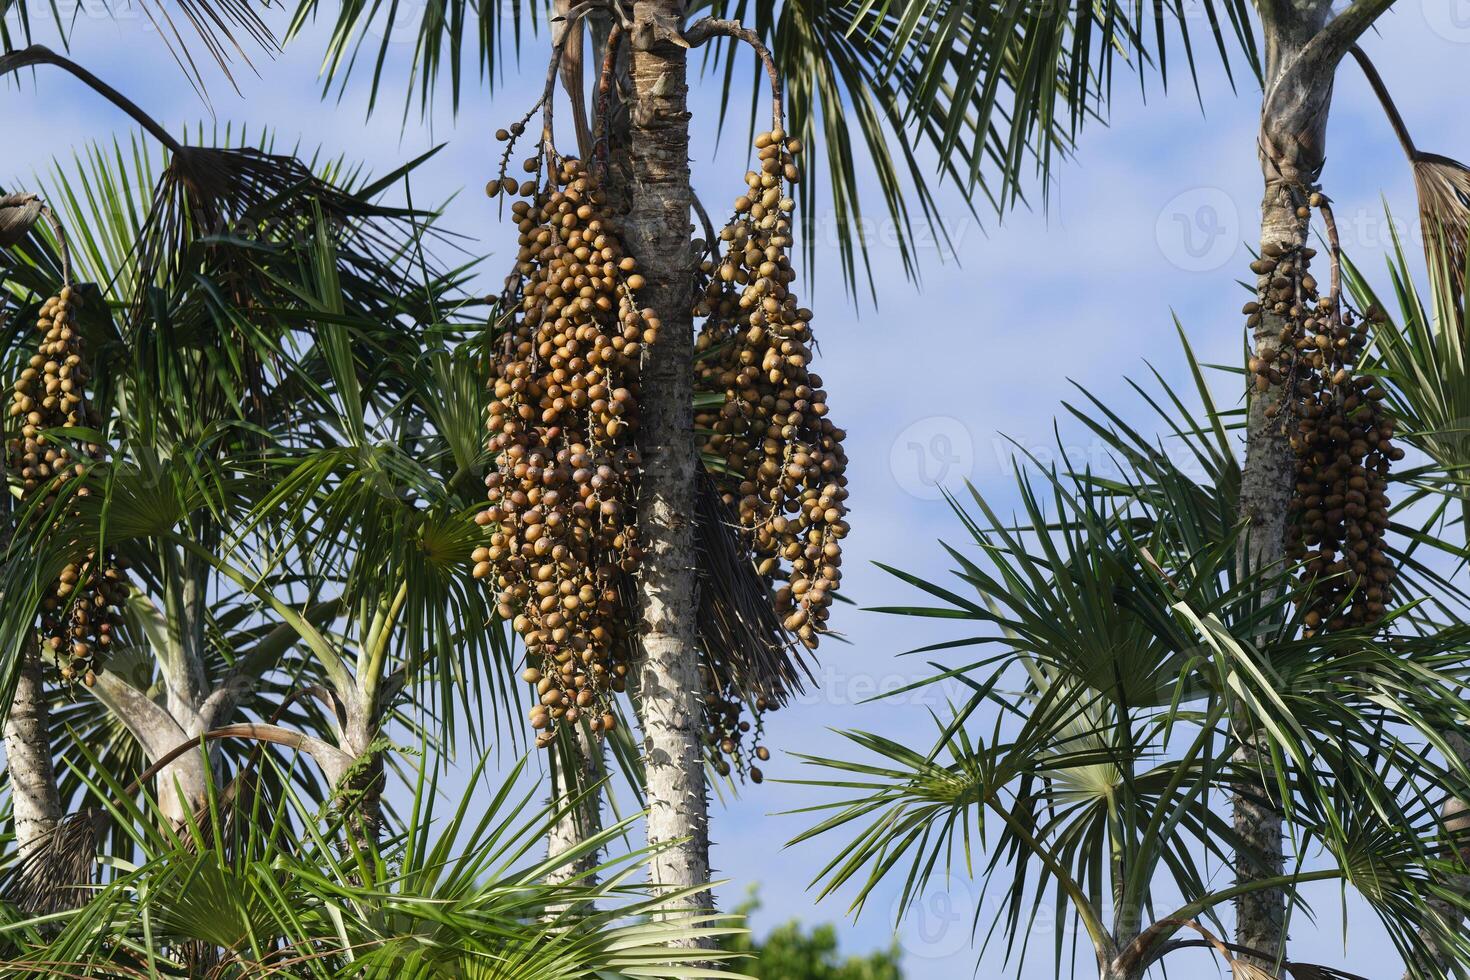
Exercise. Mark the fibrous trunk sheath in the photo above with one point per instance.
(659, 235)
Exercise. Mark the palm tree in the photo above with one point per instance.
(825, 63)
(236, 360)
(1125, 652)
(995, 90)
(455, 893)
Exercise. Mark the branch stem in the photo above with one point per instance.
(702, 30)
(39, 54)
(1395, 119)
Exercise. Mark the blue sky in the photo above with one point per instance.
(1148, 223)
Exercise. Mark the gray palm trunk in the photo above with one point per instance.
(34, 797)
(659, 234)
(571, 777)
(187, 708)
(1304, 45)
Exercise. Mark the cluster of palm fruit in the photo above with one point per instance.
(784, 468)
(563, 531)
(1341, 437)
(726, 729)
(79, 618)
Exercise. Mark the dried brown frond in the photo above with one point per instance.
(220, 196)
(18, 213)
(57, 873)
(1312, 971)
(738, 626)
(1441, 183)
(1443, 187)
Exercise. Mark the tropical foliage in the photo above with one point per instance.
(1123, 652)
(284, 464)
(263, 889)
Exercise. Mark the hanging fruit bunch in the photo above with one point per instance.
(80, 617)
(563, 529)
(784, 468)
(1338, 429)
(778, 459)
(726, 730)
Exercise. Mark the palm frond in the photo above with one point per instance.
(1442, 185)
(997, 94)
(223, 27)
(1421, 354)
(1117, 651)
(450, 37)
(58, 872)
(456, 892)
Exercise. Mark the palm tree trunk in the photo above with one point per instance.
(359, 791)
(574, 772)
(1292, 145)
(34, 796)
(658, 233)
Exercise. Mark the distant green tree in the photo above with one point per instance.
(790, 952)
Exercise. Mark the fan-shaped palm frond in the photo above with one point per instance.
(997, 92)
(1125, 651)
(994, 93)
(456, 892)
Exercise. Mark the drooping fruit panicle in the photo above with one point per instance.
(562, 517)
(80, 616)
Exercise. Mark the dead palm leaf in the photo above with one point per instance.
(57, 873)
(1442, 185)
(1312, 971)
(18, 213)
(743, 639)
(213, 194)
(218, 196)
